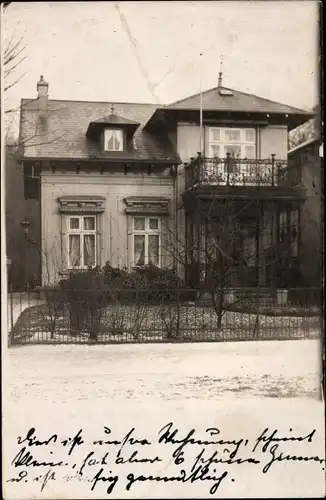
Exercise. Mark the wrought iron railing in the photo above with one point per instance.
(231, 171)
(162, 315)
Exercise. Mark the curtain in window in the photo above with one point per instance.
(89, 223)
(109, 140)
(74, 250)
(117, 140)
(89, 250)
(139, 249)
(153, 249)
(113, 140)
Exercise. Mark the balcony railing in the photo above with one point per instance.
(231, 171)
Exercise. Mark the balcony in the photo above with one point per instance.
(243, 172)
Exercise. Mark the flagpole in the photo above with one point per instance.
(201, 105)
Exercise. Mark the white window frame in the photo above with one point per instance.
(147, 232)
(223, 143)
(82, 233)
(114, 131)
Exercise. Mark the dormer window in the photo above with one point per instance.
(113, 139)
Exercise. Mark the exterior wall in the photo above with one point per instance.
(115, 237)
(270, 140)
(310, 240)
(24, 254)
(273, 140)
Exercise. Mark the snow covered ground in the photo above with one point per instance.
(60, 374)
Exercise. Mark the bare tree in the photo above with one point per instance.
(12, 58)
(222, 252)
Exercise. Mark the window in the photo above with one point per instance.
(240, 143)
(289, 230)
(293, 230)
(268, 231)
(113, 139)
(81, 241)
(146, 241)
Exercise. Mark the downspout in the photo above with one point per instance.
(176, 221)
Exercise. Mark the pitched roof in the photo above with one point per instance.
(114, 119)
(62, 133)
(214, 100)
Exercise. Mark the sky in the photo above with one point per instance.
(269, 48)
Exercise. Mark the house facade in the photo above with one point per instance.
(308, 156)
(138, 184)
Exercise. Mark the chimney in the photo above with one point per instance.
(42, 95)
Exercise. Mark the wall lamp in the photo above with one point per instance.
(25, 225)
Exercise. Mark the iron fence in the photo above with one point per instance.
(160, 315)
(231, 171)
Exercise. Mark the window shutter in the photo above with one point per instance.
(31, 188)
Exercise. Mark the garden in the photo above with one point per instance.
(149, 304)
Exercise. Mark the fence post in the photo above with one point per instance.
(273, 169)
(228, 168)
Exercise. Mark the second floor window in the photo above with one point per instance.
(238, 142)
(146, 241)
(81, 241)
(113, 139)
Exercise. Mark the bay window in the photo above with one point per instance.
(81, 241)
(146, 237)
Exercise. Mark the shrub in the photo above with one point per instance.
(54, 306)
(86, 295)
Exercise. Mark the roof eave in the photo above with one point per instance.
(168, 161)
(293, 119)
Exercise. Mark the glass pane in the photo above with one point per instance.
(89, 250)
(139, 249)
(249, 152)
(215, 134)
(249, 245)
(250, 135)
(74, 250)
(282, 218)
(89, 223)
(153, 249)
(153, 224)
(74, 223)
(214, 150)
(118, 140)
(232, 135)
(139, 223)
(294, 218)
(109, 140)
(235, 151)
(294, 246)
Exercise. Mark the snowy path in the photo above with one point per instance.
(61, 374)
